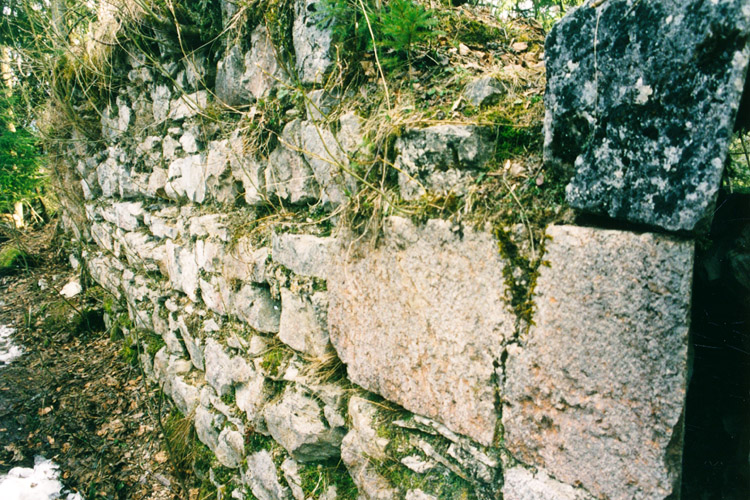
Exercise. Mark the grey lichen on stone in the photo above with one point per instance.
(602, 376)
(442, 159)
(641, 102)
(421, 320)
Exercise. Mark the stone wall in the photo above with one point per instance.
(247, 290)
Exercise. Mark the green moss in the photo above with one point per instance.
(470, 31)
(229, 398)
(254, 441)
(13, 259)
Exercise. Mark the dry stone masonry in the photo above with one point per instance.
(294, 344)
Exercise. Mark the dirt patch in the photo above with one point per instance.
(71, 397)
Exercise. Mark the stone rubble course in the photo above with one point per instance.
(596, 393)
(421, 320)
(631, 87)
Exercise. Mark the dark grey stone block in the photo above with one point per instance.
(641, 100)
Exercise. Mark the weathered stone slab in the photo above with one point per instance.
(632, 87)
(596, 393)
(421, 320)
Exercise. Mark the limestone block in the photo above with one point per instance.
(251, 397)
(483, 91)
(295, 422)
(421, 320)
(161, 96)
(128, 215)
(142, 250)
(149, 149)
(107, 271)
(521, 484)
(219, 182)
(230, 449)
(248, 171)
(350, 135)
(113, 179)
(290, 468)
(303, 324)
(440, 158)
(101, 232)
(182, 268)
(288, 176)
(207, 424)
(303, 254)
(229, 73)
(185, 396)
(193, 343)
(245, 263)
(189, 142)
(328, 162)
(602, 376)
(262, 478)
(263, 71)
(243, 78)
(156, 182)
(312, 37)
(419, 495)
(162, 327)
(254, 305)
(186, 179)
(209, 255)
(630, 86)
(218, 367)
(169, 147)
(212, 225)
(216, 294)
(188, 105)
(163, 224)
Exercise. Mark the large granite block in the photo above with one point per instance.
(641, 102)
(421, 320)
(596, 393)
